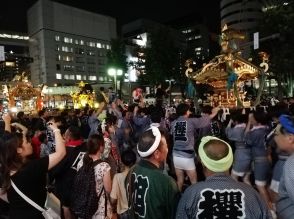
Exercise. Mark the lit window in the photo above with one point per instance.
(57, 38)
(84, 77)
(92, 78)
(58, 57)
(103, 46)
(77, 42)
(82, 42)
(10, 64)
(66, 77)
(91, 44)
(198, 49)
(101, 78)
(67, 58)
(71, 77)
(79, 77)
(58, 76)
(107, 46)
(68, 40)
(99, 45)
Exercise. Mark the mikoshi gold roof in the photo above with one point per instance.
(215, 72)
(24, 91)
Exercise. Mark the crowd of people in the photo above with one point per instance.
(150, 162)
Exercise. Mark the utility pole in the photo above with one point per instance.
(273, 36)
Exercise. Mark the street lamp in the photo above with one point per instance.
(170, 87)
(115, 72)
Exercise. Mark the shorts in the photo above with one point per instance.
(183, 163)
(242, 161)
(261, 170)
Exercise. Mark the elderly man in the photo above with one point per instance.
(284, 137)
(220, 196)
(151, 194)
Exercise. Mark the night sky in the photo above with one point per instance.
(13, 12)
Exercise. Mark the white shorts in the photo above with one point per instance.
(183, 163)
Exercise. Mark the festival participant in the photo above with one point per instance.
(151, 194)
(118, 193)
(284, 137)
(255, 134)
(235, 132)
(28, 176)
(220, 196)
(65, 172)
(183, 131)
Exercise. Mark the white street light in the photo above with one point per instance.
(115, 72)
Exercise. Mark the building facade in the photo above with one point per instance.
(16, 59)
(68, 44)
(242, 15)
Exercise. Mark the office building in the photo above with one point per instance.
(68, 44)
(15, 55)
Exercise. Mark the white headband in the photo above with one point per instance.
(155, 145)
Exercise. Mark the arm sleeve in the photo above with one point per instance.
(201, 122)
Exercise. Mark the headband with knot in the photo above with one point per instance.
(154, 146)
(215, 165)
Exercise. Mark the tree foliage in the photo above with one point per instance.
(116, 57)
(162, 57)
(280, 19)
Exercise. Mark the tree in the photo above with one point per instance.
(280, 19)
(161, 57)
(116, 57)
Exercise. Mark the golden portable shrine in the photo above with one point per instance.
(84, 96)
(228, 72)
(22, 96)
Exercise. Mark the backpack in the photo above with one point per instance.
(84, 203)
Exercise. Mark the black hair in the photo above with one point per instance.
(42, 137)
(261, 117)
(9, 158)
(182, 109)
(20, 114)
(41, 112)
(156, 116)
(207, 109)
(128, 158)
(94, 143)
(239, 117)
(75, 132)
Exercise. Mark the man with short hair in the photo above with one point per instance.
(151, 194)
(284, 137)
(220, 196)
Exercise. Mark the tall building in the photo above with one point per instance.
(137, 36)
(242, 15)
(68, 44)
(16, 55)
(199, 44)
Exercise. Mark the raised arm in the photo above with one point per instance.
(60, 151)
(7, 120)
(21, 127)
